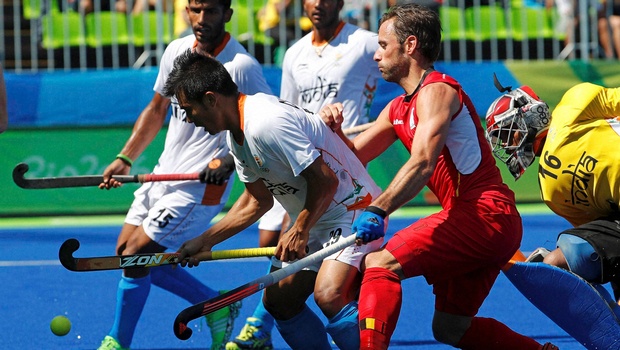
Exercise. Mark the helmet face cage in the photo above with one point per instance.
(514, 121)
(507, 134)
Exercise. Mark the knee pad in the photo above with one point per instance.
(581, 257)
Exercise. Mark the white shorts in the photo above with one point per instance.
(324, 234)
(169, 217)
(272, 220)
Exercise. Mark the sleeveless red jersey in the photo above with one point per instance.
(466, 169)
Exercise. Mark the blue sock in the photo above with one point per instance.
(344, 327)
(304, 331)
(130, 299)
(261, 313)
(180, 282)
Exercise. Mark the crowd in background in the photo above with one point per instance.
(565, 29)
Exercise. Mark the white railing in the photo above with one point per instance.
(52, 35)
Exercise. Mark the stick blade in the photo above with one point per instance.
(571, 302)
(65, 254)
(204, 308)
(180, 328)
(18, 175)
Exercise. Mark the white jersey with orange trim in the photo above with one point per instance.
(281, 140)
(189, 148)
(341, 71)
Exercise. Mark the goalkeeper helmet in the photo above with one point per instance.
(517, 124)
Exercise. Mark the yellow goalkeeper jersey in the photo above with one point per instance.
(579, 170)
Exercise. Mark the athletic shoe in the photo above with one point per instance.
(109, 343)
(549, 346)
(538, 255)
(251, 337)
(221, 323)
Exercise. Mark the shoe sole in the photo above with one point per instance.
(538, 255)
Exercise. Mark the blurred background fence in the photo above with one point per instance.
(59, 34)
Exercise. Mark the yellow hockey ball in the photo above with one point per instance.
(60, 325)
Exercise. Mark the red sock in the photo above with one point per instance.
(487, 333)
(379, 307)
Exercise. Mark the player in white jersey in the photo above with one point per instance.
(163, 215)
(286, 152)
(332, 63)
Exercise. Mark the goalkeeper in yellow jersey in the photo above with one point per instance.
(579, 171)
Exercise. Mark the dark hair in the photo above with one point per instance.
(225, 3)
(194, 74)
(419, 21)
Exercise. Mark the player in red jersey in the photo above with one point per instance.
(461, 249)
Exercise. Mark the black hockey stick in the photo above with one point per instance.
(206, 307)
(65, 254)
(89, 180)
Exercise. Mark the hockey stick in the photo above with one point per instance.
(357, 129)
(65, 254)
(89, 180)
(206, 307)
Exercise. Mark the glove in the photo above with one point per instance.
(370, 225)
(218, 171)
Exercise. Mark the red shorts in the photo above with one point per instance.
(460, 251)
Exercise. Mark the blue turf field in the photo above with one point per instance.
(37, 288)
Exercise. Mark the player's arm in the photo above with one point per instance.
(436, 104)
(370, 143)
(255, 201)
(322, 184)
(149, 123)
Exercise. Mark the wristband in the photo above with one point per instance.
(376, 210)
(125, 159)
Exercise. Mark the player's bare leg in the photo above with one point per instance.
(135, 284)
(299, 326)
(256, 333)
(336, 292)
